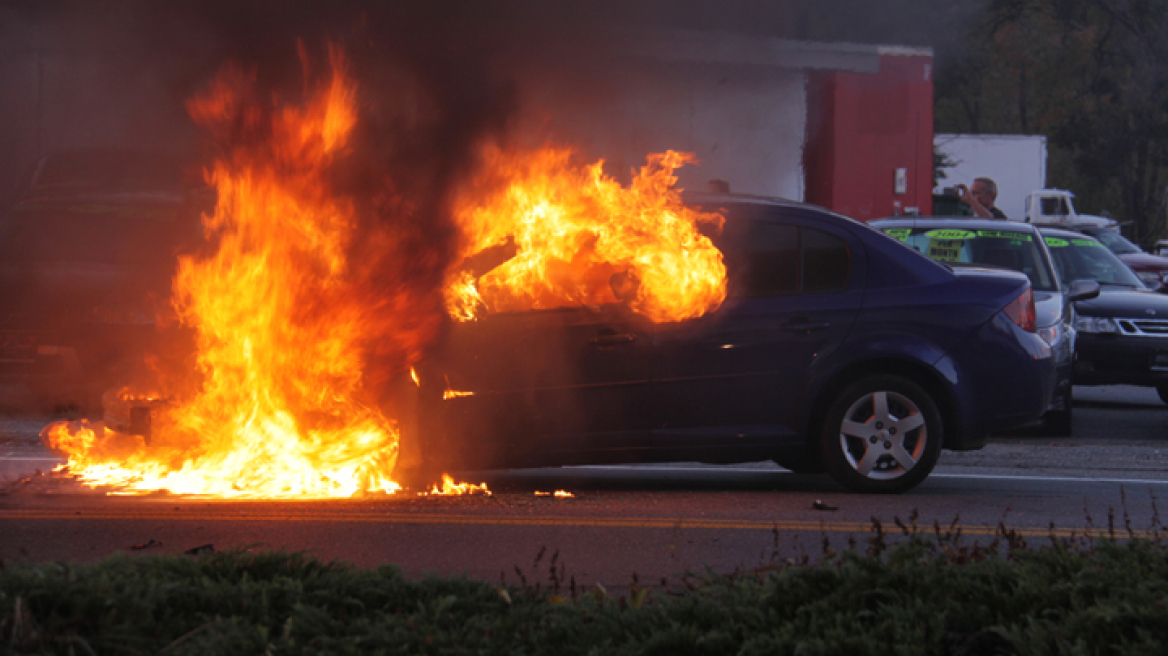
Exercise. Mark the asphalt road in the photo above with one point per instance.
(655, 521)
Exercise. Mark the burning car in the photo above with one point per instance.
(837, 348)
(539, 311)
(87, 253)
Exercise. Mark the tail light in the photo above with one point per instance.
(1021, 311)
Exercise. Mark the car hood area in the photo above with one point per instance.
(1145, 261)
(1125, 303)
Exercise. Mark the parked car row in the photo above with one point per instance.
(1015, 247)
(1116, 327)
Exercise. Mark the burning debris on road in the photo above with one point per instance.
(325, 276)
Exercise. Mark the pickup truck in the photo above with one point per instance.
(1056, 207)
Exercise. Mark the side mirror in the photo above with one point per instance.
(1082, 290)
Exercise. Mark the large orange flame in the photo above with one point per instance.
(573, 229)
(279, 325)
(284, 318)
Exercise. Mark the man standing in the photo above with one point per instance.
(981, 198)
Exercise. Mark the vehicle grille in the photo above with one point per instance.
(1144, 327)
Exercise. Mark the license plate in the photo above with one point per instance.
(1160, 361)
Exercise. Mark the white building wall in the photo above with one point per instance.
(746, 126)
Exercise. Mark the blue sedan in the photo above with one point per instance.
(838, 349)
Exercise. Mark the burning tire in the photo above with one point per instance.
(883, 434)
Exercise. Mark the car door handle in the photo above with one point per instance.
(613, 339)
(801, 325)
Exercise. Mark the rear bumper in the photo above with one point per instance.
(1003, 378)
(1121, 360)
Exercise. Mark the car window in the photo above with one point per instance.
(826, 262)
(1004, 249)
(775, 259)
(1083, 258)
(1116, 243)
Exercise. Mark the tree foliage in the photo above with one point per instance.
(1089, 74)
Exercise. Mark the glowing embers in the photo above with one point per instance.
(559, 494)
(541, 231)
(450, 488)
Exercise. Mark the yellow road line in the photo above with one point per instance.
(544, 520)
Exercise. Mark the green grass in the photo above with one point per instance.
(926, 595)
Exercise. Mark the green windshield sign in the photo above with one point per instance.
(950, 234)
(1054, 242)
(1086, 242)
(898, 233)
(1003, 234)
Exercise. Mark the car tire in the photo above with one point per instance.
(882, 434)
(1058, 423)
(1162, 390)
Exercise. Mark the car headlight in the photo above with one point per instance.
(1096, 325)
(1051, 334)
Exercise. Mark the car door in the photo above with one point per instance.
(737, 378)
(546, 386)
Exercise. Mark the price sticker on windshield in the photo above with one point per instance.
(944, 250)
(898, 233)
(1055, 242)
(1003, 234)
(1086, 242)
(950, 234)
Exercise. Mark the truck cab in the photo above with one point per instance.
(1055, 206)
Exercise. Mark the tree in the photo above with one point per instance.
(1090, 75)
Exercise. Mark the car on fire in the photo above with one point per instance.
(964, 242)
(1123, 333)
(838, 349)
(87, 254)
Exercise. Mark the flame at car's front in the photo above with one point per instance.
(279, 320)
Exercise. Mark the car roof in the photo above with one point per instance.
(1062, 231)
(964, 222)
(708, 198)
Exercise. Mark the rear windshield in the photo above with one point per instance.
(1001, 249)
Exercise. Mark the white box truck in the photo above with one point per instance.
(1017, 163)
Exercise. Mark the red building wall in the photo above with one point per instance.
(861, 128)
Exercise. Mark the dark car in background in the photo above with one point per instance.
(1123, 333)
(972, 242)
(1151, 269)
(838, 349)
(87, 254)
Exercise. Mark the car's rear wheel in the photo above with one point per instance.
(882, 434)
(1162, 390)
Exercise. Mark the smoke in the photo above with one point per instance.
(436, 81)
